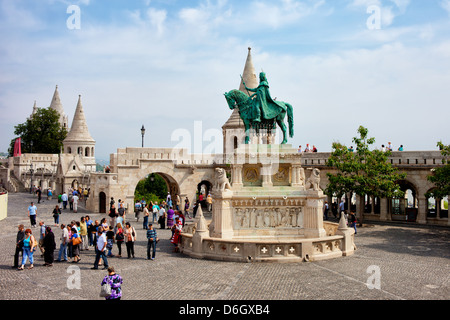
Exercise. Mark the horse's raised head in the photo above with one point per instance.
(230, 100)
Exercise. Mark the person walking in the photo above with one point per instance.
(75, 199)
(152, 240)
(32, 213)
(115, 281)
(155, 211)
(41, 237)
(187, 204)
(110, 241)
(119, 238)
(162, 217)
(39, 194)
(75, 239)
(170, 217)
(325, 210)
(64, 199)
(64, 241)
(146, 215)
(100, 249)
(49, 247)
(84, 234)
(112, 215)
(209, 202)
(56, 214)
(29, 245)
(19, 245)
(352, 220)
(130, 237)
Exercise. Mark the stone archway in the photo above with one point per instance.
(405, 208)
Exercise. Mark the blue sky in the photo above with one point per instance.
(166, 64)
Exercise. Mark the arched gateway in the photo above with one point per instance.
(181, 171)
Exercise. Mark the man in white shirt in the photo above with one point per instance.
(64, 241)
(100, 249)
(64, 199)
(75, 203)
(32, 213)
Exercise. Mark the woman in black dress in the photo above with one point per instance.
(49, 247)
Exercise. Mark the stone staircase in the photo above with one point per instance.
(15, 185)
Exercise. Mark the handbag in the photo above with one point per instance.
(106, 291)
(76, 241)
(119, 236)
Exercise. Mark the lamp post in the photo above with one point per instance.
(142, 133)
(31, 146)
(31, 178)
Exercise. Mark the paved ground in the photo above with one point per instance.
(413, 264)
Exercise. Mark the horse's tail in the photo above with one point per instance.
(290, 114)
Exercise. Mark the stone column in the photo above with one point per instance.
(236, 173)
(222, 217)
(266, 173)
(313, 218)
(422, 210)
(296, 175)
(383, 209)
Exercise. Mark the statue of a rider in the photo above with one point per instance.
(264, 106)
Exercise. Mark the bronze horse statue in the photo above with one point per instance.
(261, 119)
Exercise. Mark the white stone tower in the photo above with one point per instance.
(79, 140)
(57, 105)
(233, 130)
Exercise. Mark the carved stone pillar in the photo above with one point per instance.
(222, 216)
(296, 175)
(236, 173)
(266, 173)
(313, 218)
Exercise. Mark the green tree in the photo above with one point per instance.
(364, 171)
(152, 188)
(42, 133)
(441, 175)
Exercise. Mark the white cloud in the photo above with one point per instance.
(445, 4)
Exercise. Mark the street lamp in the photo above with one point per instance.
(142, 133)
(31, 177)
(31, 145)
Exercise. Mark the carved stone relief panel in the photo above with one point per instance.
(267, 217)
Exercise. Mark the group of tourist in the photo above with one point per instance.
(78, 236)
(307, 149)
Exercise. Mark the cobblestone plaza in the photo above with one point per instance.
(392, 262)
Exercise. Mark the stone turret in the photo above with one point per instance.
(234, 130)
(35, 108)
(57, 105)
(79, 140)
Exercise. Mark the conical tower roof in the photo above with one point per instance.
(79, 130)
(249, 76)
(35, 108)
(57, 105)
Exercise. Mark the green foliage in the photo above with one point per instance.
(441, 175)
(44, 130)
(155, 190)
(363, 171)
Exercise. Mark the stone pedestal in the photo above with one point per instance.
(313, 217)
(200, 234)
(347, 244)
(222, 218)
